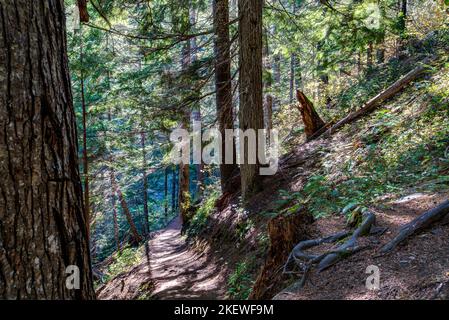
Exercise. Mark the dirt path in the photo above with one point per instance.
(170, 270)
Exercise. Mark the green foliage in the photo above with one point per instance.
(200, 218)
(240, 282)
(124, 260)
(244, 227)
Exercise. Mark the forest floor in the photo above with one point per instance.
(419, 269)
(170, 270)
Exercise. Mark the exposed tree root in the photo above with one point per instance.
(440, 213)
(306, 261)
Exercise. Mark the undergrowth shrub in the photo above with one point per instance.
(200, 218)
(240, 282)
(125, 259)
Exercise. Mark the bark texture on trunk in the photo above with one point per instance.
(223, 86)
(43, 227)
(251, 96)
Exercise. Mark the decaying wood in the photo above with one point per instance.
(311, 119)
(377, 100)
(284, 232)
(305, 260)
(440, 213)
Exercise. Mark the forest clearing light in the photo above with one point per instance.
(207, 147)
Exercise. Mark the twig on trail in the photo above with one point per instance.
(306, 261)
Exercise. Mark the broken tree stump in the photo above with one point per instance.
(284, 232)
(311, 118)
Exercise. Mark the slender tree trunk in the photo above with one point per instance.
(134, 233)
(85, 156)
(196, 113)
(251, 96)
(84, 14)
(380, 55)
(403, 17)
(114, 215)
(43, 227)
(166, 193)
(173, 189)
(223, 86)
(369, 56)
(146, 213)
(292, 77)
(269, 101)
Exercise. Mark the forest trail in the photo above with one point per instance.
(170, 270)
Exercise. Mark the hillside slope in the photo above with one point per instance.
(393, 162)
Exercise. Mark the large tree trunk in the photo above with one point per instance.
(251, 99)
(146, 213)
(312, 121)
(223, 86)
(134, 233)
(43, 227)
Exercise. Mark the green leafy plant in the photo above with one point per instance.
(240, 282)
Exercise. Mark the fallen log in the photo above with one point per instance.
(423, 221)
(377, 100)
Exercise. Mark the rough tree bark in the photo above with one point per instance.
(43, 227)
(251, 96)
(134, 233)
(223, 86)
(312, 121)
